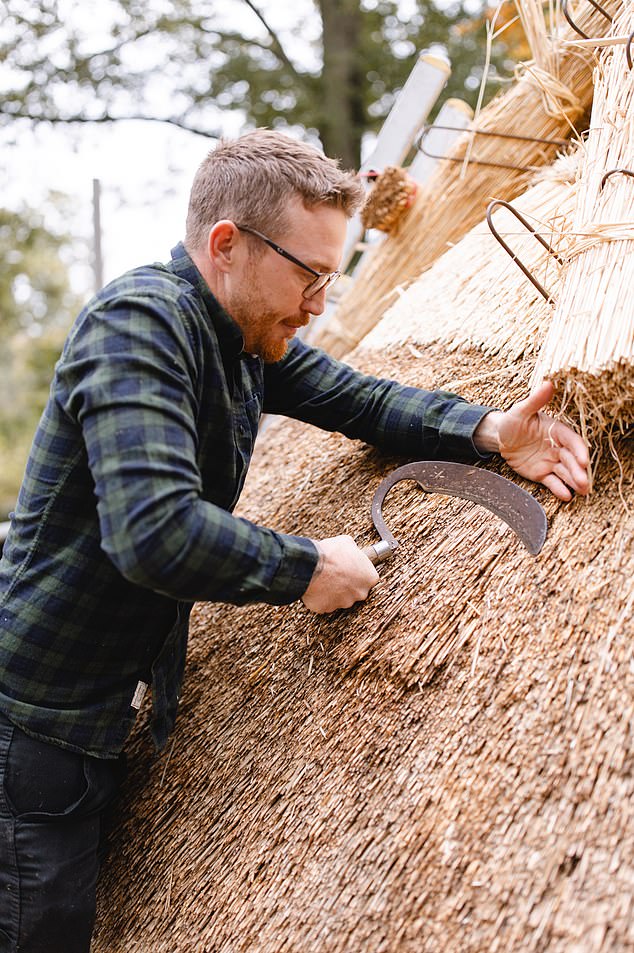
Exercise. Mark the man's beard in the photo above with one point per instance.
(265, 346)
(257, 328)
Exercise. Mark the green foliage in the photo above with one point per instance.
(37, 305)
(34, 285)
(25, 376)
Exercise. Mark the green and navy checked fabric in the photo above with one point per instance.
(125, 516)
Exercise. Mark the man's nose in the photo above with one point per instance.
(315, 305)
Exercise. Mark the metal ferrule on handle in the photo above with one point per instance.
(378, 552)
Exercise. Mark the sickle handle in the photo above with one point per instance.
(378, 552)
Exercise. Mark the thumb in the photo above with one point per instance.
(537, 400)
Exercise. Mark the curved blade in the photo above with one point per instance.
(506, 499)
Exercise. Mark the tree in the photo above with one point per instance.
(331, 67)
(37, 304)
(35, 290)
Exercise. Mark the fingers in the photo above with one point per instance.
(557, 487)
(574, 474)
(570, 456)
(345, 576)
(565, 476)
(572, 442)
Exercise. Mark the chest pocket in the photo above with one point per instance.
(247, 421)
(229, 434)
(251, 413)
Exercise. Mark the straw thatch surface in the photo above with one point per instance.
(478, 297)
(454, 200)
(589, 351)
(447, 767)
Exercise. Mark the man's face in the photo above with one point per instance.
(265, 298)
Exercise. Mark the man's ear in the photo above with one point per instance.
(221, 244)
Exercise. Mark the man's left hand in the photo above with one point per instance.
(536, 445)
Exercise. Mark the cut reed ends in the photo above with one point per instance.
(389, 200)
(589, 350)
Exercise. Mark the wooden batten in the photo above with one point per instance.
(589, 351)
(446, 767)
(550, 100)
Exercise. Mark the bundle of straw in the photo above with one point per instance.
(391, 197)
(477, 285)
(589, 352)
(550, 101)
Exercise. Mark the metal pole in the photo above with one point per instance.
(96, 229)
(4, 532)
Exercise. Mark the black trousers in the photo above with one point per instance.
(54, 806)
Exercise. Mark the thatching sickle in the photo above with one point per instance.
(510, 502)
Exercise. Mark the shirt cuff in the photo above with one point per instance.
(457, 430)
(297, 565)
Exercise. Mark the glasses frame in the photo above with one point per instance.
(321, 280)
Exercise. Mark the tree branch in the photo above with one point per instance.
(23, 114)
(277, 45)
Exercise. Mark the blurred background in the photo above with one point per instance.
(107, 109)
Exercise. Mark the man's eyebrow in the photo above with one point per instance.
(312, 263)
(319, 265)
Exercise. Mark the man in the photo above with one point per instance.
(124, 517)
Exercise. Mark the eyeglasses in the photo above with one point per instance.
(321, 280)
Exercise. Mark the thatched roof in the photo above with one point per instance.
(550, 101)
(478, 297)
(444, 767)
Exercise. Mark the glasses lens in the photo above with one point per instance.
(321, 282)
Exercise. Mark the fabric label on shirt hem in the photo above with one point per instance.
(139, 694)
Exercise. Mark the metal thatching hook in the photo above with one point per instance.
(431, 127)
(597, 6)
(545, 294)
(615, 171)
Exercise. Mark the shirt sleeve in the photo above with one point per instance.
(127, 378)
(310, 385)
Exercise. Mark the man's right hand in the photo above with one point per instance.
(344, 575)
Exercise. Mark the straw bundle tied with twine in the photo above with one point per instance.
(589, 351)
(550, 100)
(445, 768)
(477, 285)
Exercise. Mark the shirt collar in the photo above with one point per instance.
(229, 334)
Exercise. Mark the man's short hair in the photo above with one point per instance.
(250, 180)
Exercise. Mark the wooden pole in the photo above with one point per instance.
(96, 231)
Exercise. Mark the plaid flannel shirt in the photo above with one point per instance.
(124, 517)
